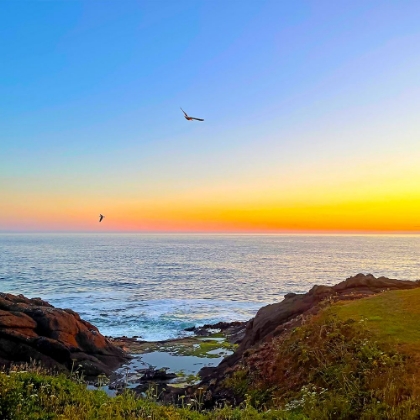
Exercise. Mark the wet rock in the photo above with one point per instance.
(157, 375)
(233, 331)
(224, 325)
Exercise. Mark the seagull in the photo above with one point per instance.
(101, 217)
(187, 117)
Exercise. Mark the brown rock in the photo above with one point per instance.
(34, 329)
(16, 320)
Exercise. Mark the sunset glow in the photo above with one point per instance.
(310, 117)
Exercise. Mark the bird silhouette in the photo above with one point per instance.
(101, 217)
(187, 117)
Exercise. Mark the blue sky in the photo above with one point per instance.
(90, 94)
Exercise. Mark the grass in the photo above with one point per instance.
(354, 360)
(31, 393)
(392, 316)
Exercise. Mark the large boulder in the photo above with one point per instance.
(58, 338)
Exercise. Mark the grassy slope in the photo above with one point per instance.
(392, 316)
(354, 360)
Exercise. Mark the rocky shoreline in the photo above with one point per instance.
(32, 329)
(233, 332)
(186, 356)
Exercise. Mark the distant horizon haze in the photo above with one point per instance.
(216, 233)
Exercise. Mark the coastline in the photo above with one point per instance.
(155, 287)
(305, 342)
(53, 336)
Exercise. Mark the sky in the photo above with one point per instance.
(311, 113)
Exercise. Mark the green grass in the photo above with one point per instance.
(354, 360)
(30, 393)
(393, 316)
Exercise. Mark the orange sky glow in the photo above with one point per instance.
(311, 117)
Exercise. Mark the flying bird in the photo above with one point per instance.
(101, 217)
(187, 117)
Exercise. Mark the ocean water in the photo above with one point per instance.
(154, 286)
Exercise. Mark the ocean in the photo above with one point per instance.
(156, 285)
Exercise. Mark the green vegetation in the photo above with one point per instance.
(354, 360)
(393, 316)
(203, 347)
(185, 379)
(30, 393)
(342, 363)
(199, 348)
(189, 346)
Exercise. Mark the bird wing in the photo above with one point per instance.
(198, 119)
(184, 112)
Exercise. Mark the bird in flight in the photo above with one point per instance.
(187, 117)
(101, 217)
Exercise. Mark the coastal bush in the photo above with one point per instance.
(330, 368)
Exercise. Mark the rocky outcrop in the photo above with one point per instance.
(269, 320)
(58, 338)
(272, 320)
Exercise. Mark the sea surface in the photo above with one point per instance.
(155, 286)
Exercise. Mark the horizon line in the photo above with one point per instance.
(145, 232)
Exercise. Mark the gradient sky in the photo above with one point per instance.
(311, 108)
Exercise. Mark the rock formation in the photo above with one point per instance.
(272, 320)
(269, 319)
(58, 338)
